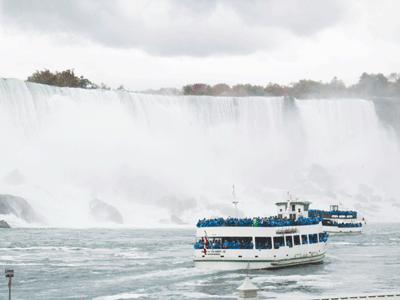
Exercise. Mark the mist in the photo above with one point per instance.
(169, 160)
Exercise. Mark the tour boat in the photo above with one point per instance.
(337, 221)
(291, 238)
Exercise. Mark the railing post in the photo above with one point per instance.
(9, 275)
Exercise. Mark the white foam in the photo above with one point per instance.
(6, 257)
(122, 296)
(342, 243)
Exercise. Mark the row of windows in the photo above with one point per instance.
(334, 223)
(293, 207)
(262, 242)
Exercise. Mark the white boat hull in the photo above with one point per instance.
(236, 259)
(256, 264)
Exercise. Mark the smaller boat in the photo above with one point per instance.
(337, 221)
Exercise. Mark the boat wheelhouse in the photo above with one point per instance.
(337, 221)
(288, 239)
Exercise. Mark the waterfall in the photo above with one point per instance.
(155, 156)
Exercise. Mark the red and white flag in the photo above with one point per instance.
(365, 222)
(205, 244)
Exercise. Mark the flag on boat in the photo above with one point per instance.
(365, 222)
(205, 244)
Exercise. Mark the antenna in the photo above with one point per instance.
(235, 201)
(289, 198)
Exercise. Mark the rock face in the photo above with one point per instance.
(177, 220)
(174, 220)
(361, 198)
(366, 190)
(14, 178)
(388, 111)
(18, 207)
(176, 205)
(102, 212)
(320, 175)
(3, 224)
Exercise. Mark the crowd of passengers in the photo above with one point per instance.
(258, 222)
(225, 244)
(243, 244)
(349, 225)
(317, 212)
(341, 225)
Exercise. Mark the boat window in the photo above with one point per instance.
(225, 243)
(306, 206)
(313, 238)
(296, 240)
(304, 239)
(323, 237)
(199, 243)
(263, 243)
(200, 239)
(279, 241)
(293, 207)
(327, 223)
(289, 241)
(214, 242)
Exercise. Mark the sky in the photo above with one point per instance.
(155, 44)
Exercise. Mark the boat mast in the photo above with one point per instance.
(289, 198)
(235, 201)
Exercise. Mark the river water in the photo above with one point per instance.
(110, 264)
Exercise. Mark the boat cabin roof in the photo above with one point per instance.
(293, 203)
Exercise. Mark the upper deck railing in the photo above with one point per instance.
(258, 222)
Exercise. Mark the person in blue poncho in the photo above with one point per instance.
(225, 244)
(250, 246)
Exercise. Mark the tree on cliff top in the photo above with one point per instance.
(197, 89)
(62, 79)
(373, 84)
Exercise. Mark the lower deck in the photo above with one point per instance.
(336, 227)
(335, 230)
(255, 248)
(259, 259)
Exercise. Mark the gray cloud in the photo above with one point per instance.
(170, 28)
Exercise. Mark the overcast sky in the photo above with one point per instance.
(154, 44)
